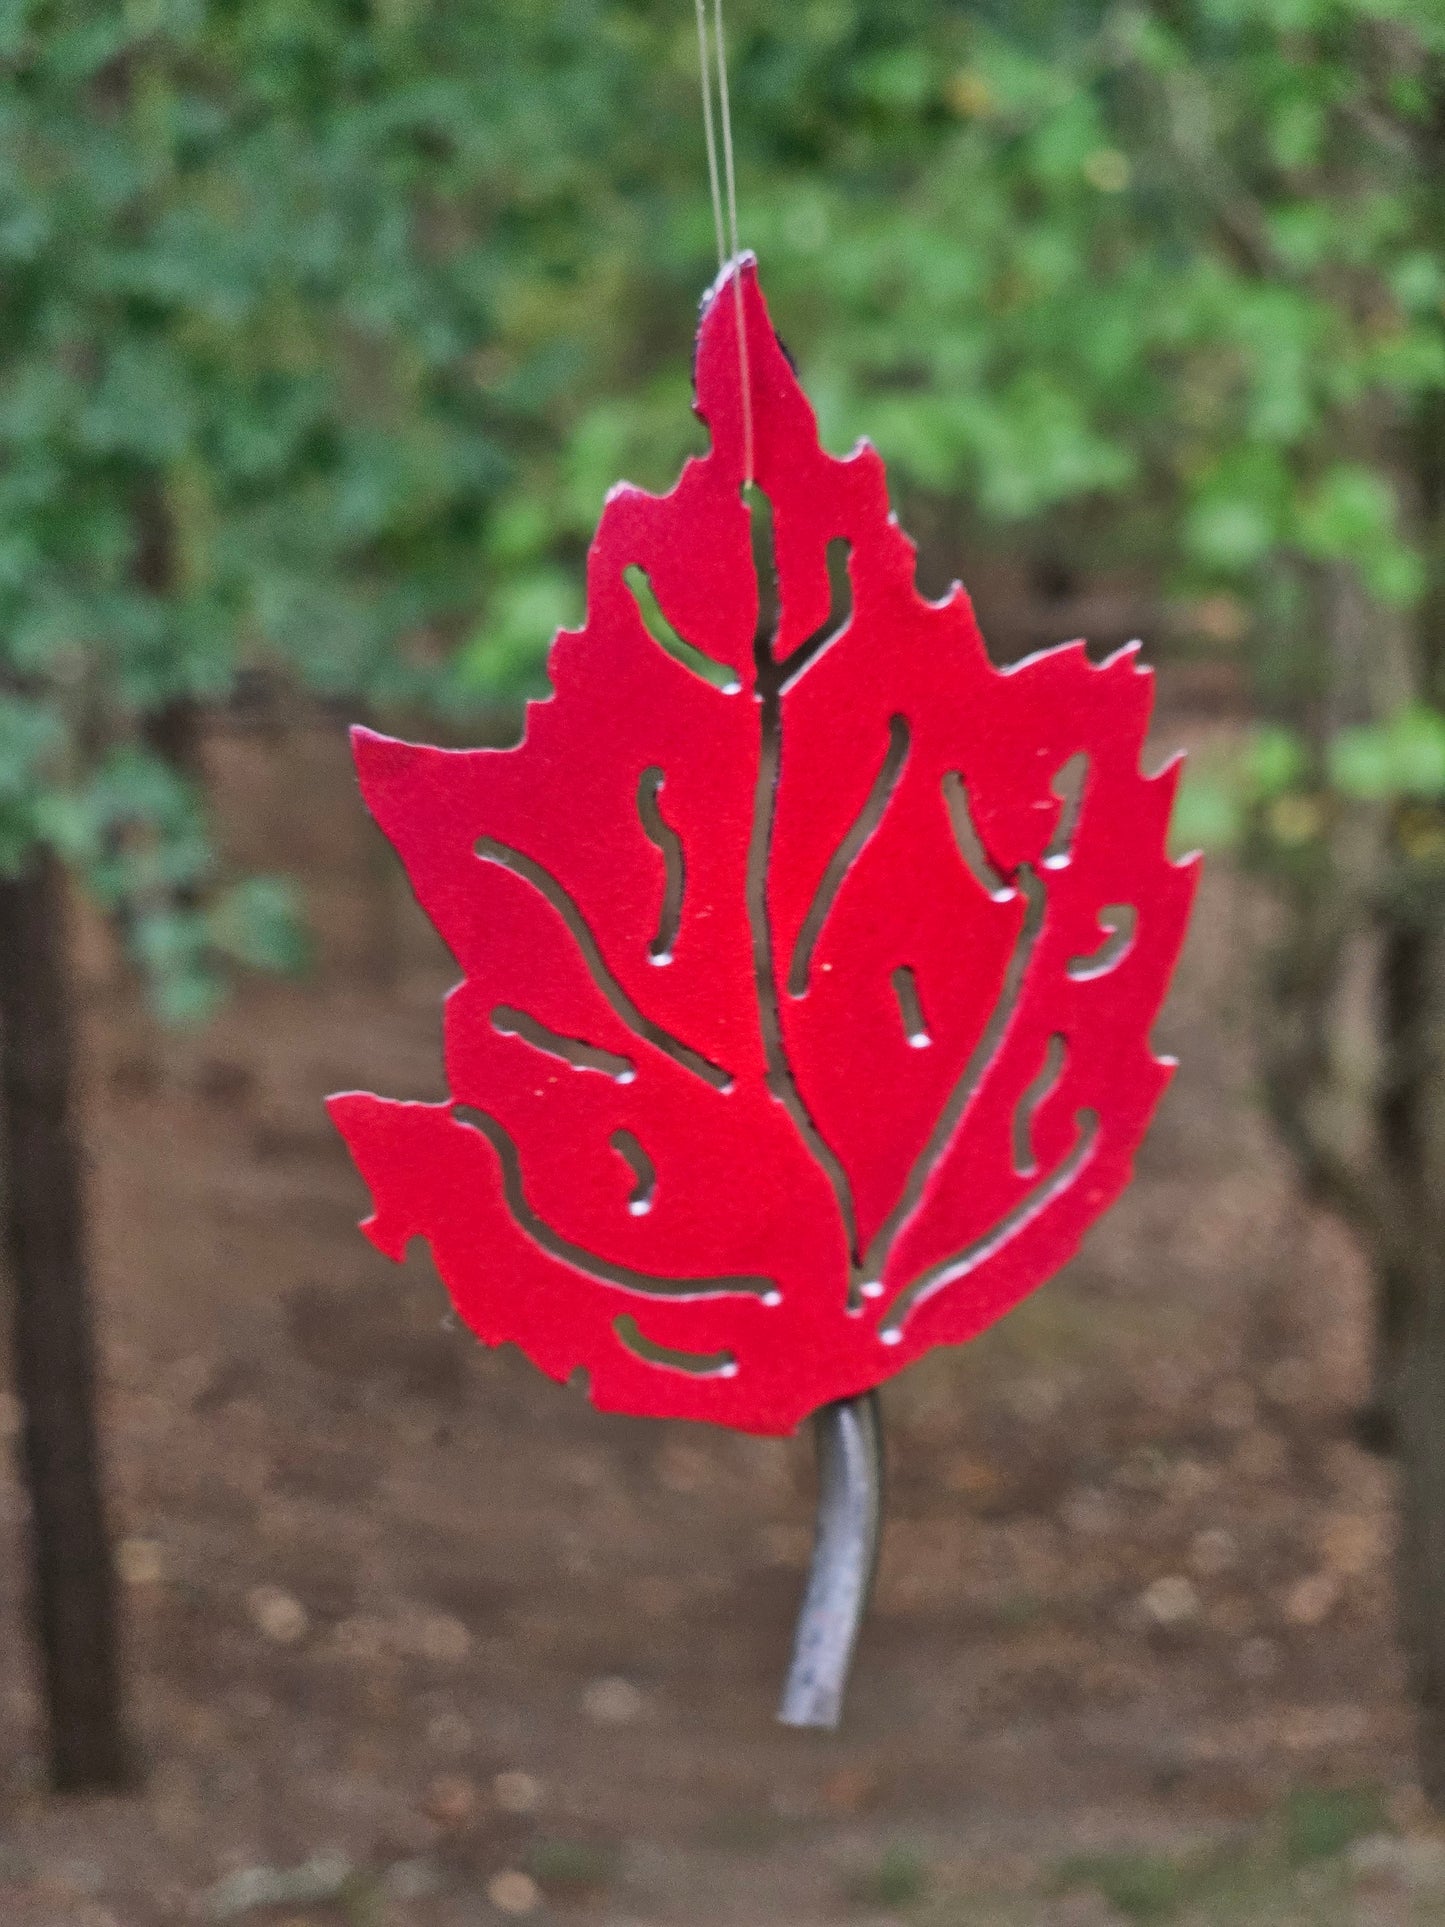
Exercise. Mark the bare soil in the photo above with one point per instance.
(417, 1637)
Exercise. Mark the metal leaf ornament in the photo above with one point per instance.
(808, 964)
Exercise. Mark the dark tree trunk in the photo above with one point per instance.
(1415, 1122)
(1420, 1428)
(174, 733)
(73, 1591)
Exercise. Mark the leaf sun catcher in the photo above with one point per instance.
(809, 961)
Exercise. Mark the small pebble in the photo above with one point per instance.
(517, 1792)
(1351, 1544)
(1212, 1552)
(1189, 1480)
(278, 1615)
(440, 1637)
(1414, 1861)
(140, 1562)
(411, 1879)
(1312, 1600)
(1170, 1601)
(1090, 1512)
(449, 1732)
(971, 1477)
(612, 1702)
(450, 1799)
(515, 1893)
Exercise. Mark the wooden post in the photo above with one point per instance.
(73, 1583)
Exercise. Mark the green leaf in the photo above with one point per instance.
(259, 922)
(1402, 757)
(1276, 761)
(522, 619)
(1231, 534)
(1350, 508)
(1208, 812)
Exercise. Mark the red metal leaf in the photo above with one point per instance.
(804, 1023)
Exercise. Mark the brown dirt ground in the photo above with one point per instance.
(1135, 1586)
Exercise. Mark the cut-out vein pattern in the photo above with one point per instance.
(1055, 1053)
(910, 1009)
(712, 672)
(970, 843)
(846, 854)
(838, 617)
(644, 1172)
(669, 844)
(979, 1060)
(571, 1050)
(916, 914)
(1069, 786)
(491, 851)
(781, 1081)
(557, 1246)
(703, 1364)
(954, 1269)
(1118, 921)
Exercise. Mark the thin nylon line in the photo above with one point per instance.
(727, 133)
(712, 173)
(727, 125)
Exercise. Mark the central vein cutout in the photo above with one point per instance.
(781, 1081)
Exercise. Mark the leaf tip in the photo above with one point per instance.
(355, 1115)
(370, 749)
(743, 266)
(380, 762)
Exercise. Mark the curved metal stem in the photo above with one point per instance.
(849, 1434)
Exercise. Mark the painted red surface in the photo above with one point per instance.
(821, 1173)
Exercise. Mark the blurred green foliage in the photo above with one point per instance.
(1296, 1857)
(325, 326)
(900, 1879)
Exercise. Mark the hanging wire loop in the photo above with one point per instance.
(849, 1436)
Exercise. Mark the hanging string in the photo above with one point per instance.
(727, 127)
(704, 66)
(707, 59)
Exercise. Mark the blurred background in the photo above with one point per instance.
(325, 326)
